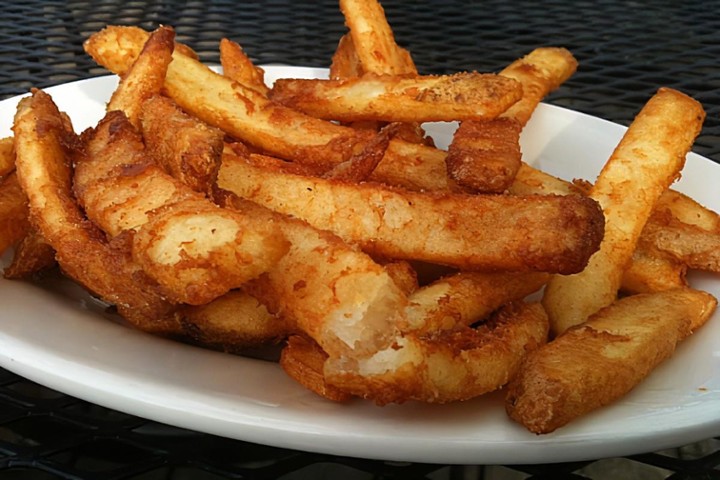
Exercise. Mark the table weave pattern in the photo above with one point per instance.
(626, 51)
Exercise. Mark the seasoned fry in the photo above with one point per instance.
(360, 166)
(485, 156)
(541, 233)
(373, 39)
(465, 298)
(601, 360)
(232, 323)
(238, 67)
(7, 156)
(43, 166)
(32, 255)
(14, 222)
(186, 148)
(238, 111)
(345, 61)
(461, 96)
(448, 366)
(331, 291)
(644, 164)
(303, 360)
(146, 76)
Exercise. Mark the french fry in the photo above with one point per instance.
(238, 67)
(43, 169)
(186, 148)
(146, 76)
(540, 233)
(14, 222)
(303, 360)
(461, 96)
(644, 164)
(601, 360)
(650, 271)
(373, 39)
(32, 256)
(345, 61)
(448, 366)
(693, 246)
(464, 298)
(334, 293)
(485, 156)
(7, 156)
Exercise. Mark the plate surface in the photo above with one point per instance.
(59, 337)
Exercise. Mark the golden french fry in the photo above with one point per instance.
(232, 323)
(373, 39)
(14, 222)
(345, 61)
(485, 156)
(644, 164)
(693, 246)
(43, 168)
(447, 366)
(303, 360)
(461, 96)
(238, 67)
(186, 148)
(7, 156)
(32, 255)
(493, 232)
(464, 298)
(650, 271)
(334, 293)
(146, 76)
(193, 248)
(601, 360)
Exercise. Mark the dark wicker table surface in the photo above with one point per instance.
(626, 50)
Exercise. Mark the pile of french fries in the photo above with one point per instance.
(317, 215)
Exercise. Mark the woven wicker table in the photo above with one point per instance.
(625, 49)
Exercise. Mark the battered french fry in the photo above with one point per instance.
(601, 360)
(461, 96)
(186, 148)
(644, 164)
(303, 360)
(146, 76)
(7, 156)
(485, 156)
(345, 61)
(448, 366)
(331, 291)
(494, 232)
(238, 67)
(43, 166)
(373, 39)
(464, 298)
(14, 222)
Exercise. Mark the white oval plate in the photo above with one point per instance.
(59, 337)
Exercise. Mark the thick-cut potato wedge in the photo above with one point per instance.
(7, 156)
(345, 61)
(334, 293)
(373, 39)
(43, 166)
(146, 77)
(14, 222)
(601, 360)
(461, 96)
(494, 232)
(644, 164)
(448, 366)
(485, 156)
(238, 67)
(303, 360)
(465, 298)
(183, 146)
(193, 248)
